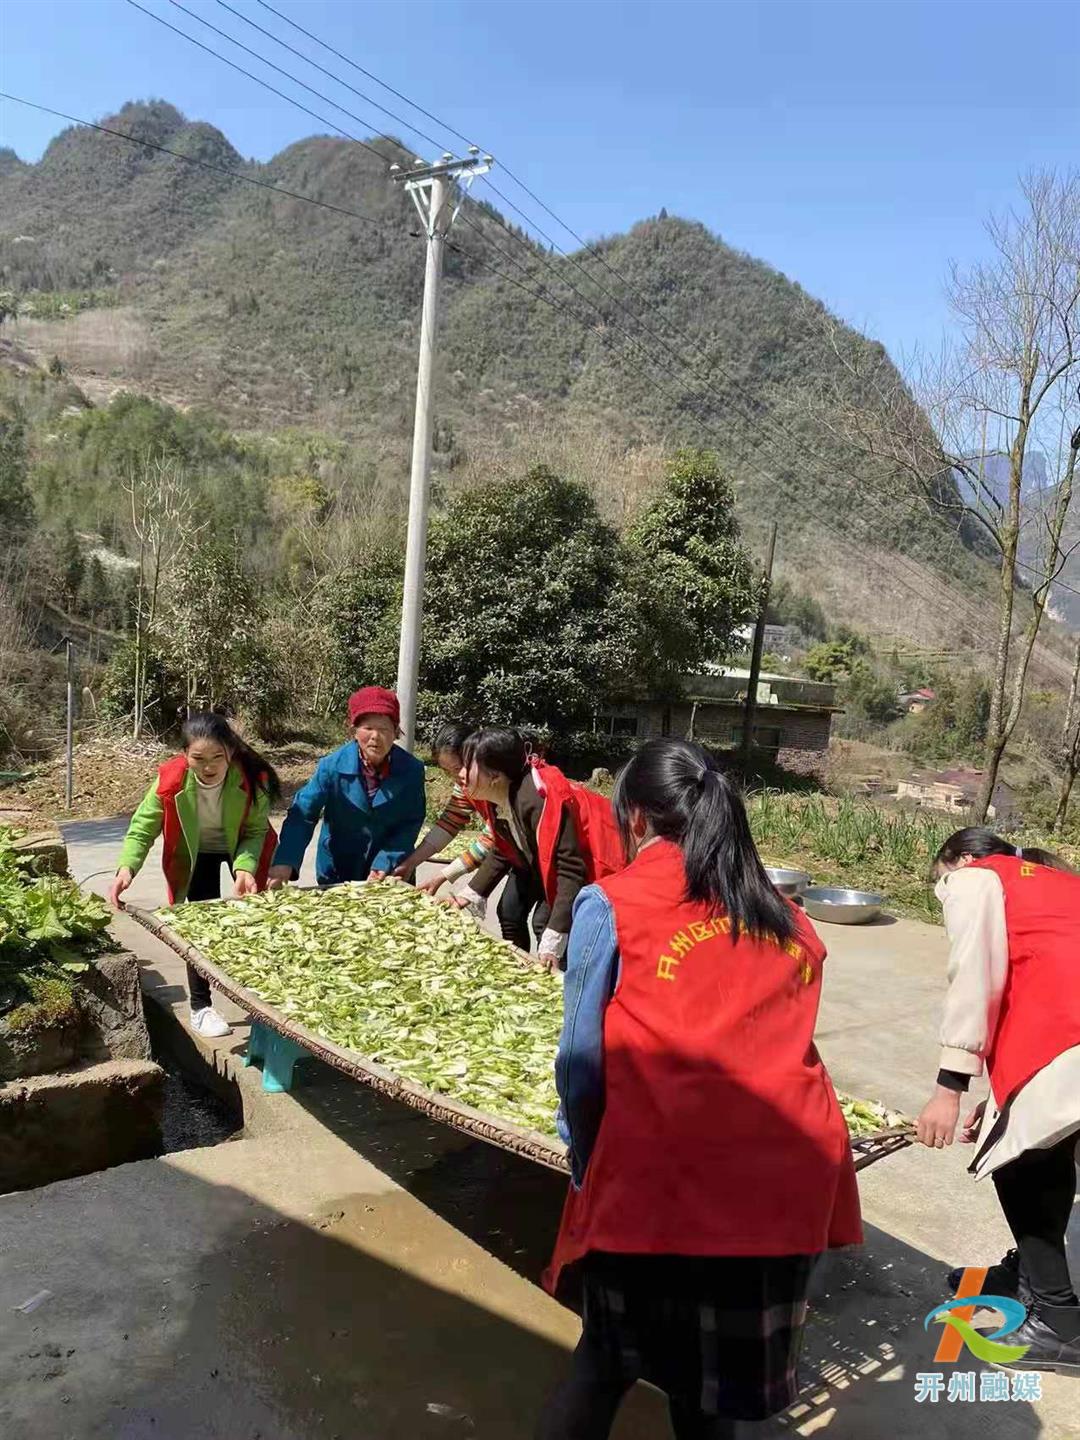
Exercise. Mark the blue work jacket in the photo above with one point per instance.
(360, 833)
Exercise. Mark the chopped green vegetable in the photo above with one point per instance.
(865, 1117)
(417, 987)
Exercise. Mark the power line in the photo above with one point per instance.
(360, 70)
(327, 99)
(264, 83)
(542, 295)
(800, 441)
(328, 73)
(752, 401)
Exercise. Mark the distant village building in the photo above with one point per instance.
(954, 792)
(916, 701)
(792, 722)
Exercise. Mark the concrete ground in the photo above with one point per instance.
(348, 1268)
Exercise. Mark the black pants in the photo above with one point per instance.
(585, 1405)
(1036, 1191)
(522, 892)
(205, 885)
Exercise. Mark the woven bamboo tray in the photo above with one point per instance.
(530, 1143)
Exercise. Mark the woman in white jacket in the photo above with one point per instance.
(1013, 920)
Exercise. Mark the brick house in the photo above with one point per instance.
(916, 701)
(792, 722)
(954, 792)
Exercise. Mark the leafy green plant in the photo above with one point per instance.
(45, 919)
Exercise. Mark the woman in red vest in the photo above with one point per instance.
(1013, 920)
(564, 834)
(520, 893)
(211, 806)
(710, 1160)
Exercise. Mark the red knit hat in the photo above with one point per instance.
(374, 700)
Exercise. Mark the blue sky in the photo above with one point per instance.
(855, 146)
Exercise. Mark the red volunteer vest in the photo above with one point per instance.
(488, 813)
(721, 1133)
(1040, 1009)
(175, 860)
(594, 821)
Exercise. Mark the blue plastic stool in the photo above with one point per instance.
(279, 1055)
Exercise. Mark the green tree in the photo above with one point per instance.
(831, 661)
(699, 578)
(70, 564)
(211, 632)
(954, 727)
(531, 615)
(361, 616)
(972, 714)
(16, 505)
(95, 594)
(870, 696)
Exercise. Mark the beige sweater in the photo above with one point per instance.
(974, 906)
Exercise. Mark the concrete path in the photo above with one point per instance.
(351, 1269)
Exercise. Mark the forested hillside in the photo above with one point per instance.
(136, 270)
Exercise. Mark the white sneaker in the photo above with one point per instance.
(209, 1023)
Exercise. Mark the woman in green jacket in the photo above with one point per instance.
(210, 804)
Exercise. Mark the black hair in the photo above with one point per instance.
(209, 725)
(450, 739)
(502, 752)
(980, 842)
(682, 792)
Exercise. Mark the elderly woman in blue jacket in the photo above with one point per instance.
(369, 796)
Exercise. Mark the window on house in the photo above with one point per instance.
(616, 725)
(766, 737)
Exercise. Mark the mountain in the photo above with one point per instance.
(138, 271)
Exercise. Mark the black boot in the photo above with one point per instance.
(1004, 1278)
(1053, 1334)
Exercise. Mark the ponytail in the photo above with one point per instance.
(258, 773)
(980, 842)
(685, 797)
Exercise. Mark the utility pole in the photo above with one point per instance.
(755, 657)
(69, 779)
(432, 188)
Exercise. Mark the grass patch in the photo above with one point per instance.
(42, 999)
(864, 846)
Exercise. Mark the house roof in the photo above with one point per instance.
(959, 777)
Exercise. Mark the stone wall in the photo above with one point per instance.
(104, 1021)
(805, 743)
(82, 1092)
(77, 1121)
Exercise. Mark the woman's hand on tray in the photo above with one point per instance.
(121, 881)
(279, 875)
(244, 883)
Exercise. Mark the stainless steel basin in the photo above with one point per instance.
(789, 882)
(842, 907)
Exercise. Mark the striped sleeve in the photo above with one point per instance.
(477, 851)
(457, 814)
